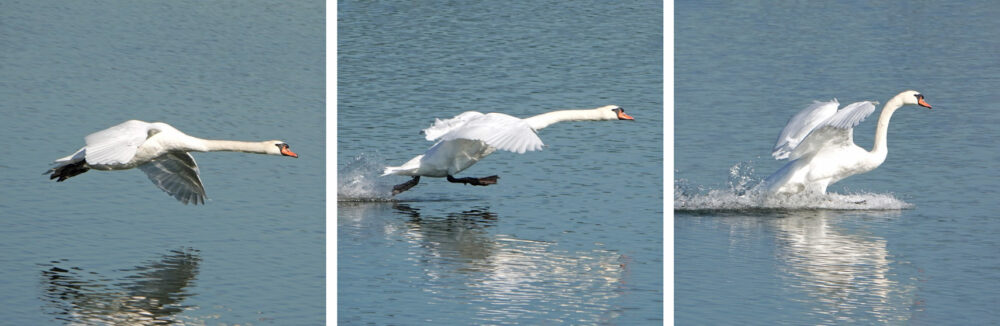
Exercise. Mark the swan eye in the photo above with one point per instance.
(919, 96)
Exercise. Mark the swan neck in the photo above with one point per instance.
(211, 145)
(882, 129)
(545, 119)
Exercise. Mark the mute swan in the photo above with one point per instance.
(471, 136)
(159, 150)
(820, 142)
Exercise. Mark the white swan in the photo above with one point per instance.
(471, 136)
(159, 150)
(820, 142)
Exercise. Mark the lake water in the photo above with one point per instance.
(109, 247)
(570, 234)
(922, 249)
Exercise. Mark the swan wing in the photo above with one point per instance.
(498, 130)
(176, 173)
(118, 144)
(800, 125)
(442, 127)
(837, 130)
(851, 115)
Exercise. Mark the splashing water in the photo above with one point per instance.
(358, 180)
(744, 193)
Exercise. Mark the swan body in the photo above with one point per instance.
(159, 150)
(469, 137)
(819, 141)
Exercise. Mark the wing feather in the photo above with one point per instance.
(118, 144)
(498, 130)
(851, 115)
(441, 127)
(837, 129)
(800, 125)
(176, 173)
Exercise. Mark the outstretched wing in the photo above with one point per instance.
(800, 125)
(498, 130)
(441, 127)
(177, 174)
(851, 115)
(117, 145)
(836, 130)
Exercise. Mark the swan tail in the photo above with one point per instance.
(399, 170)
(391, 170)
(69, 166)
(66, 171)
(409, 168)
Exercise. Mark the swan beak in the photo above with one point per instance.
(287, 152)
(623, 116)
(922, 103)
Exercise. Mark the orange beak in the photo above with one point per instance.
(922, 103)
(287, 152)
(623, 116)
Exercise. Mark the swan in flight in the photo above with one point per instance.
(819, 141)
(465, 139)
(158, 149)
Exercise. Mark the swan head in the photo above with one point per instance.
(614, 112)
(913, 98)
(277, 147)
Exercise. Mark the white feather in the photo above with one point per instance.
(159, 150)
(498, 130)
(819, 141)
(468, 137)
(819, 124)
(118, 144)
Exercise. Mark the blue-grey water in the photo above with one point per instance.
(109, 247)
(571, 234)
(923, 250)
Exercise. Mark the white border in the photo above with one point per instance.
(668, 162)
(331, 162)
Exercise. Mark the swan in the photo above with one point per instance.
(819, 141)
(159, 150)
(468, 137)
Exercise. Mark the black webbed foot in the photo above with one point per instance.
(405, 185)
(475, 181)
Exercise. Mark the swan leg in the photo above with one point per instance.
(405, 185)
(475, 181)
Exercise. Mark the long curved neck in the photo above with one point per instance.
(882, 129)
(211, 145)
(545, 119)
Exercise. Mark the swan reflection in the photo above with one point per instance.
(847, 275)
(509, 277)
(148, 294)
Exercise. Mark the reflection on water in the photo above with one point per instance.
(843, 275)
(511, 278)
(516, 279)
(148, 294)
(501, 278)
(847, 275)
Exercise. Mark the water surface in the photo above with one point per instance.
(570, 234)
(920, 249)
(110, 247)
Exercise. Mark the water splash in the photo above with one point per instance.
(359, 181)
(744, 193)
